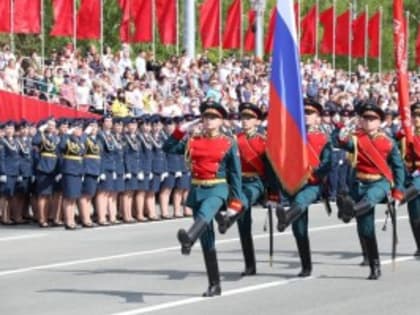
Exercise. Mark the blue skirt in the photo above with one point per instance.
(90, 185)
(107, 184)
(132, 183)
(9, 187)
(143, 185)
(154, 185)
(23, 187)
(183, 182)
(169, 182)
(119, 184)
(44, 184)
(72, 186)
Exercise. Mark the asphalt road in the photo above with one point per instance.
(138, 269)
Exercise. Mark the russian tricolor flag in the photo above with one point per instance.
(286, 132)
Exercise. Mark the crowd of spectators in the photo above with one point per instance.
(125, 83)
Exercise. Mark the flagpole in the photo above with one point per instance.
(74, 26)
(317, 29)
(42, 36)
(334, 35)
(101, 40)
(241, 29)
(298, 19)
(366, 34)
(380, 41)
(177, 27)
(12, 26)
(220, 29)
(154, 28)
(350, 34)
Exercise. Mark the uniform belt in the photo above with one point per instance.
(208, 182)
(249, 174)
(91, 156)
(368, 177)
(72, 157)
(47, 154)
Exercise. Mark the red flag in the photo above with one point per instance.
(89, 20)
(210, 23)
(374, 34)
(5, 20)
(167, 20)
(326, 18)
(142, 10)
(63, 11)
(125, 31)
(401, 63)
(27, 16)
(342, 32)
(359, 27)
(249, 43)
(232, 34)
(418, 47)
(308, 36)
(270, 33)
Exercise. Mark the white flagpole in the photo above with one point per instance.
(366, 34)
(42, 36)
(101, 39)
(220, 29)
(154, 28)
(380, 40)
(317, 29)
(177, 27)
(298, 20)
(334, 34)
(350, 35)
(74, 26)
(12, 26)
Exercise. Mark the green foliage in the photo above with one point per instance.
(26, 43)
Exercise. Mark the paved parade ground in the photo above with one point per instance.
(138, 269)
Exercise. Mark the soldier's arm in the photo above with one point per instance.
(325, 161)
(397, 166)
(234, 176)
(174, 143)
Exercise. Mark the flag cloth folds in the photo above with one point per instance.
(359, 28)
(418, 47)
(27, 16)
(5, 20)
(286, 132)
(270, 33)
(308, 32)
(167, 21)
(342, 38)
(125, 30)
(401, 65)
(89, 19)
(143, 20)
(232, 34)
(63, 11)
(326, 18)
(374, 34)
(210, 23)
(249, 43)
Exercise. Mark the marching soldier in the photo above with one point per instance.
(379, 170)
(216, 182)
(46, 142)
(118, 176)
(319, 155)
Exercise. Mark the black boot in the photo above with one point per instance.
(286, 217)
(225, 221)
(187, 239)
(365, 261)
(345, 205)
(305, 256)
(210, 260)
(373, 257)
(415, 225)
(249, 255)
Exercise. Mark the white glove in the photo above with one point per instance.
(416, 173)
(83, 179)
(231, 212)
(114, 175)
(127, 176)
(163, 176)
(140, 176)
(58, 177)
(150, 176)
(88, 130)
(43, 127)
(178, 174)
(188, 125)
(70, 131)
(397, 204)
(3, 178)
(33, 179)
(19, 179)
(102, 177)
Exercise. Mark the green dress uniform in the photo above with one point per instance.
(216, 182)
(379, 171)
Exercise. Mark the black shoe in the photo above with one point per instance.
(70, 227)
(375, 270)
(187, 239)
(285, 218)
(250, 271)
(417, 253)
(373, 257)
(212, 268)
(213, 290)
(305, 257)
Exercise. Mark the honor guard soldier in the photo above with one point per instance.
(118, 176)
(379, 170)
(46, 141)
(411, 155)
(10, 169)
(91, 170)
(72, 149)
(319, 155)
(216, 182)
